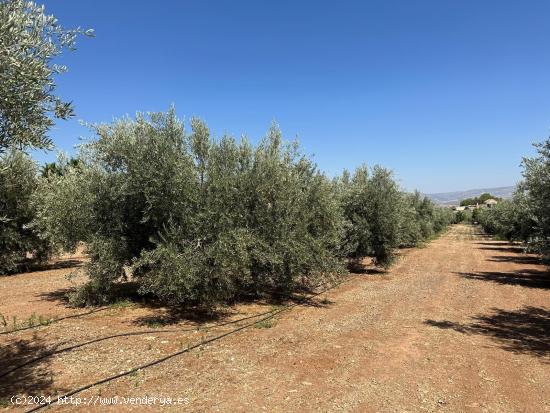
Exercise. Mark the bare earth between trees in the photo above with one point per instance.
(462, 325)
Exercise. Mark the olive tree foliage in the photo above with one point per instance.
(18, 180)
(355, 204)
(29, 41)
(60, 201)
(466, 216)
(509, 219)
(384, 215)
(536, 192)
(417, 219)
(442, 217)
(379, 217)
(422, 220)
(526, 217)
(59, 167)
(372, 203)
(266, 220)
(192, 219)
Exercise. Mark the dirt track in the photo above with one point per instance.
(462, 325)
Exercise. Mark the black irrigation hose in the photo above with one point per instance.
(133, 333)
(202, 343)
(153, 363)
(55, 320)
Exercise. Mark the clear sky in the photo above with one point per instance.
(448, 94)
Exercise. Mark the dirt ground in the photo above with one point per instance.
(461, 325)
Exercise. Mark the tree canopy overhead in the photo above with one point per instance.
(29, 41)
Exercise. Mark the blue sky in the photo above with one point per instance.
(450, 95)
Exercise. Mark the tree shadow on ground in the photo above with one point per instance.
(525, 331)
(31, 379)
(60, 295)
(355, 267)
(56, 265)
(515, 249)
(481, 235)
(30, 266)
(122, 291)
(525, 278)
(165, 315)
(494, 243)
(517, 259)
(128, 293)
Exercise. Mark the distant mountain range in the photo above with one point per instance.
(454, 198)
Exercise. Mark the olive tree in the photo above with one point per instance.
(442, 218)
(355, 204)
(379, 217)
(465, 216)
(509, 219)
(18, 239)
(373, 205)
(384, 215)
(526, 217)
(421, 219)
(194, 220)
(417, 219)
(536, 189)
